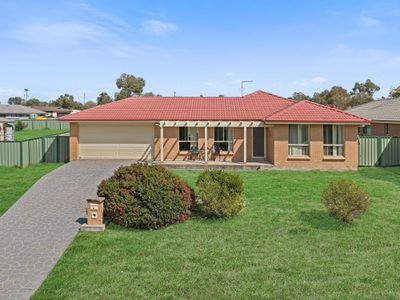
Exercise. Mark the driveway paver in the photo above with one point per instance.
(38, 228)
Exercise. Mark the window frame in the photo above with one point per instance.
(224, 139)
(386, 128)
(302, 145)
(332, 146)
(192, 143)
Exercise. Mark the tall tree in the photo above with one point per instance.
(337, 96)
(129, 85)
(395, 92)
(67, 101)
(104, 98)
(363, 92)
(299, 96)
(16, 100)
(148, 94)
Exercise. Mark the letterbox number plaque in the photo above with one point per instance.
(94, 206)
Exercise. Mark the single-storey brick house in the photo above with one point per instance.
(257, 127)
(384, 115)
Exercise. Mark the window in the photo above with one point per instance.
(333, 140)
(188, 137)
(298, 140)
(366, 130)
(223, 138)
(386, 128)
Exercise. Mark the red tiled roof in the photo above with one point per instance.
(257, 106)
(311, 112)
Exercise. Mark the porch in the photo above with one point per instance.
(214, 142)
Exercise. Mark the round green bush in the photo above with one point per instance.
(345, 200)
(145, 196)
(219, 194)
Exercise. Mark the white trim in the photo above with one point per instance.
(244, 144)
(214, 124)
(162, 144)
(205, 144)
(319, 123)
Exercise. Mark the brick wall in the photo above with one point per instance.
(280, 135)
(379, 129)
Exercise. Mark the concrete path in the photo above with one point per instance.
(38, 228)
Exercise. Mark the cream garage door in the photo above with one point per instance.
(116, 141)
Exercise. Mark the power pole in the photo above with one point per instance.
(84, 98)
(241, 85)
(174, 93)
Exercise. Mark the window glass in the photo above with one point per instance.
(188, 137)
(298, 140)
(223, 138)
(333, 140)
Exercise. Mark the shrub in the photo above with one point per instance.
(145, 196)
(19, 125)
(219, 193)
(345, 200)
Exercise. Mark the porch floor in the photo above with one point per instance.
(226, 165)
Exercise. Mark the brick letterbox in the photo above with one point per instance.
(94, 209)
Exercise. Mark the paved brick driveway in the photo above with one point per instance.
(38, 228)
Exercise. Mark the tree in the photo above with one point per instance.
(336, 96)
(129, 85)
(104, 98)
(16, 100)
(299, 96)
(89, 104)
(395, 92)
(67, 101)
(148, 94)
(363, 92)
(34, 102)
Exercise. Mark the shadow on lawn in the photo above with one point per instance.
(320, 219)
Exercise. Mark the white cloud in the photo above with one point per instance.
(228, 74)
(369, 21)
(307, 82)
(318, 79)
(158, 28)
(58, 32)
(208, 83)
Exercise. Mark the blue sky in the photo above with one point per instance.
(196, 47)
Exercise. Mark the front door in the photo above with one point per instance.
(258, 142)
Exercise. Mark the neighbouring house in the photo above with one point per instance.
(257, 127)
(15, 112)
(53, 111)
(3, 125)
(384, 116)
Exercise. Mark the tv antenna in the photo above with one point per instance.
(26, 94)
(241, 85)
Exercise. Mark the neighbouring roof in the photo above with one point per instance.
(257, 106)
(52, 109)
(19, 109)
(378, 110)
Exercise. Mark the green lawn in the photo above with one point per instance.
(30, 134)
(14, 182)
(284, 245)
